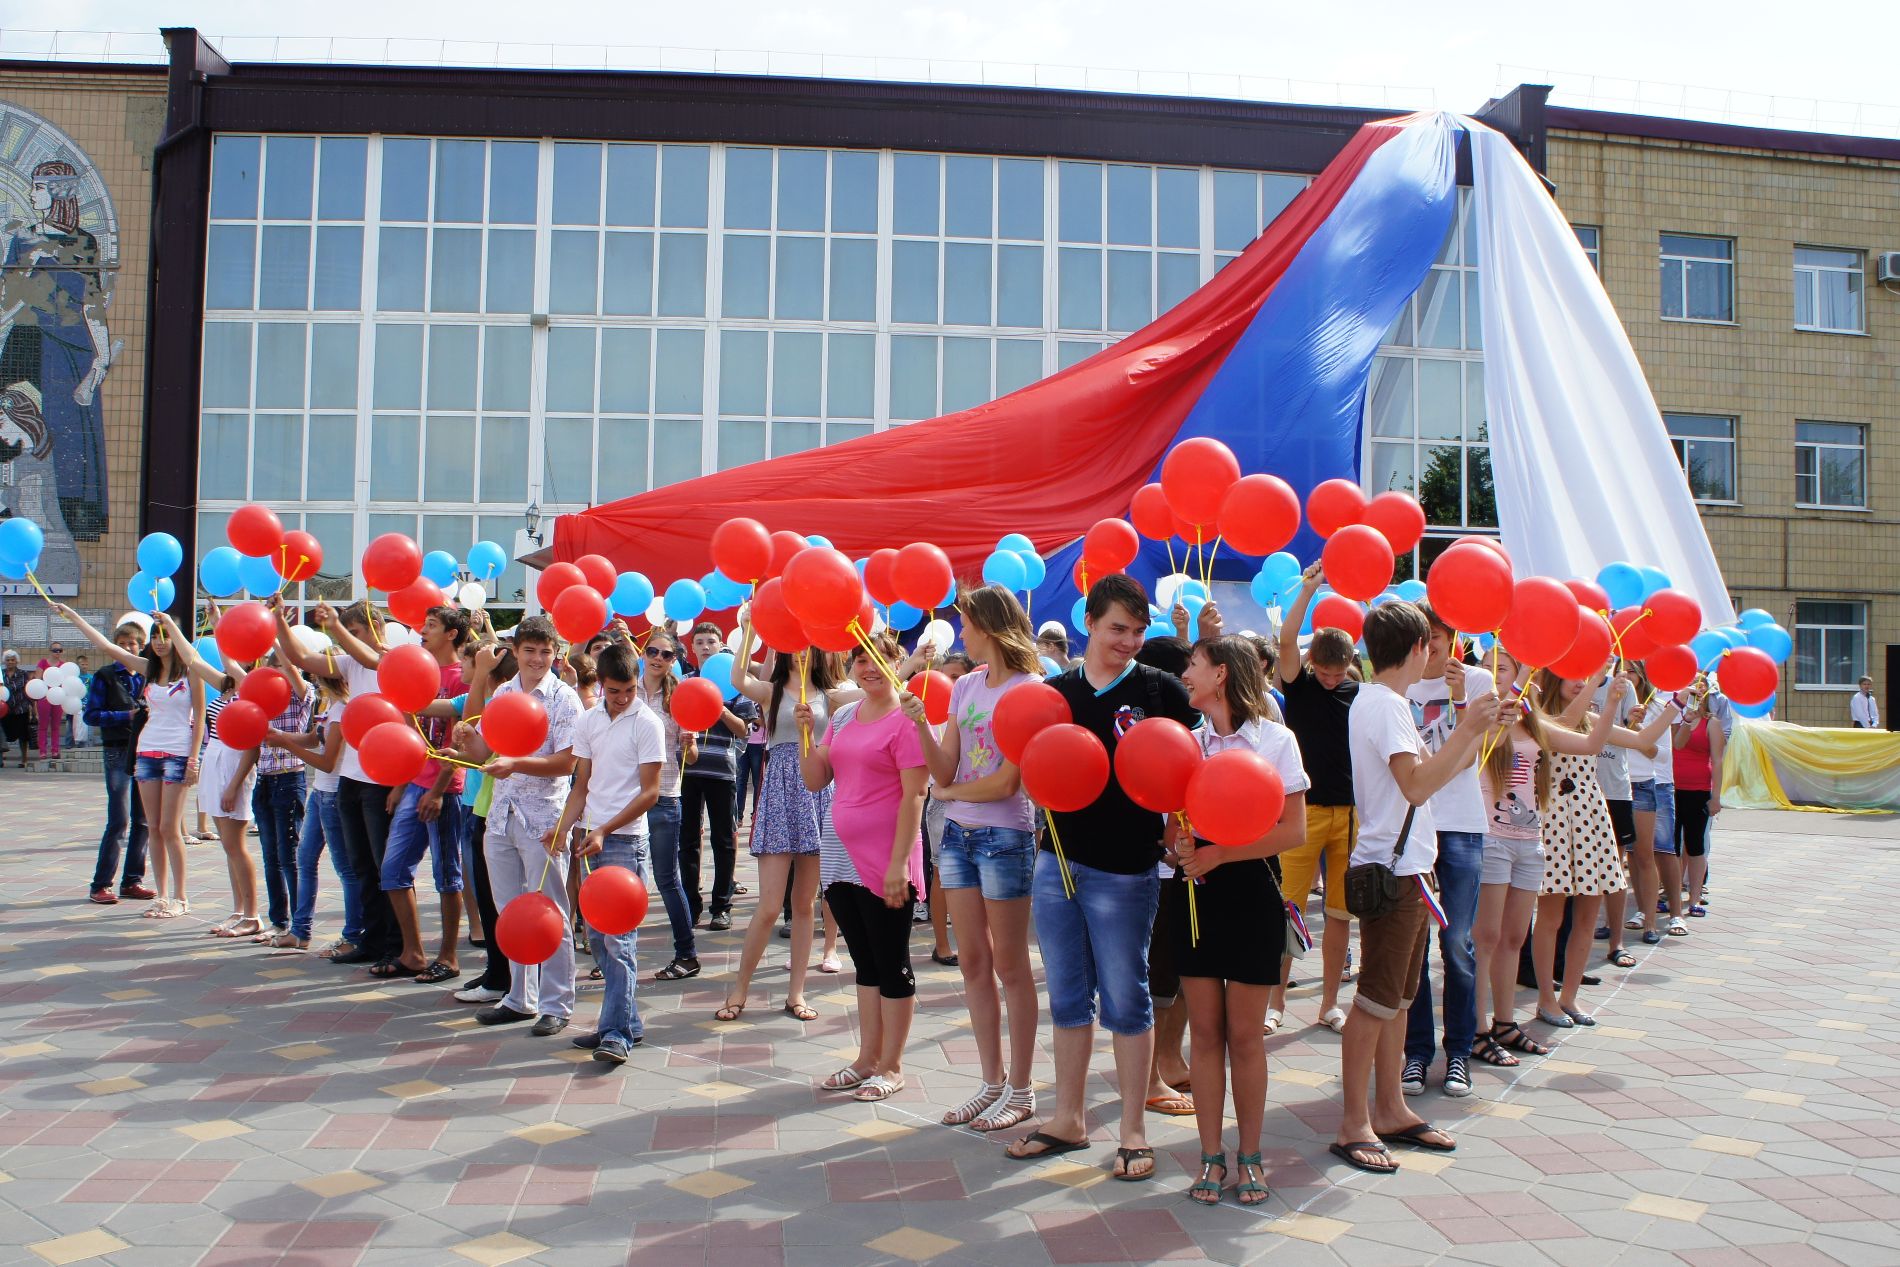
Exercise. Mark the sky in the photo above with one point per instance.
(1693, 58)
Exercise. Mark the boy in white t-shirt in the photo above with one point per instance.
(1393, 783)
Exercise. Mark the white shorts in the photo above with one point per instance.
(1518, 863)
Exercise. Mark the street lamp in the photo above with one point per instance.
(533, 517)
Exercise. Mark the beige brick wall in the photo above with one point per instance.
(1761, 370)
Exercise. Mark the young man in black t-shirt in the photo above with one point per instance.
(1095, 943)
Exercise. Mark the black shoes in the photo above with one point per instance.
(548, 1026)
(502, 1014)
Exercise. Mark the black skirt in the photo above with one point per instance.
(1242, 921)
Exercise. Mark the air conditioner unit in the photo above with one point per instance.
(1887, 268)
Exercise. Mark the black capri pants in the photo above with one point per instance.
(877, 937)
(1692, 822)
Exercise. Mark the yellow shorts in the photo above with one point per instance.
(1330, 830)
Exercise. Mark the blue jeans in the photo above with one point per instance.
(323, 828)
(410, 838)
(125, 826)
(663, 838)
(1460, 867)
(277, 807)
(619, 1014)
(1095, 944)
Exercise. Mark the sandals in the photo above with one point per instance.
(1508, 1034)
(846, 1079)
(597, 975)
(289, 941)
(1128, 1157)
(436, 973)
(1206, 1189)
(1557, 1020)
(1485, 1048)
(801, 1012)
(1275, 1019)
(1251, 1191)
(335, 948)
(974, 1107)
(247, 926)
(1016, 1106)
(1621, 958)
(1350, 1154)
(393, 968)
(678, 970)
(730, 1012)
(877, 1087)
(224, 930)
(1579, 1018)
(1171, 1105)
(1050, 1146)
(1334, 1018)
(1415, 1136)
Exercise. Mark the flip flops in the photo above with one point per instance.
(1051, 1146)
(1171, 1105)
(1415, 1136)
(436, 973)
(1128, 1157)
(1349, 1153)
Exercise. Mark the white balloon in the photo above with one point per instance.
(939, 635)
(732, 640)
(310, 641)
(395, 635)
(1167, 588)
(71, 671)
(472, 596)
(72, 706)
(36, 689)
(140, 619)
(656, 612)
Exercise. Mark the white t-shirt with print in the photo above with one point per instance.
(1381, 727)
(1459, 805)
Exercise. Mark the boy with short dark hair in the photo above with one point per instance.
(707, 787)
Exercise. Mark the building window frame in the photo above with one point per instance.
(1822, 638)
(1679, 268)
(1691, 446)
(1812, 451)
(1812, 276)
(1590, 238)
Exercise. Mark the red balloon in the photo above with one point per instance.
(1358, 561)
(1747, 675)
(245, 633)
(933, 688)
(1671, 668)
(299, 556)
(697, 704)
(598, 570)
(1025, 711)
(1064, 768)
(1081, 576)
(1490, 543)
(1259, 514)
(391, 562)
(1196, 475)
(1110, 545)
(530, 928)
(742, 550)
(1470, 589)
(515, 724)
(1191, 532)
(1674, 617)
(1154, 762)
(266, 688)
(1335, 611)
(784, 545)
(255, 531)
(363, 714)
(1398, 517)
(613, 900)
(1591, 650)
(1632, 637)
(1542, 623)
(922, 575)
(879, 580)
(774, 622)
(1590, 595)
(579, 613)
(412, 602)
(393, 754)
(242, 724)
(409, 678)
(1235, 798)
(823, 588)
(1334, 504)
(555, 580)
(840, 639)
(1154, 518)
(4, 709)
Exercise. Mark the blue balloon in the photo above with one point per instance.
(1079, 614)
(1411, 591)
(1018, 542)
(1755, 616)
(486, 561)
(440, 566)
(14, 571)
(1623, 582)
(632, 595)
(718, 671)
(949, 596)
(1263, 590)
(1708, 647)
(1733, 636)
(1773, 640)
(1033, 565)
(1159, 629)
(1049, 667)
(1005, 568)
(160, 554)
(1289, 595)
(1382, 598)
(1484, 642)
(150, 593)
(817, 540)
(902, 616)
(685, 600)
(218, 572)
(260, 576)
(207, 648)
(1193, 603)
(21, 541)
(1654, 579)
(1762, 709)
(1282, 568)
(861, 564)
(1191, 588)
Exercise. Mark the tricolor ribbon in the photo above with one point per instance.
(1432, 905)
(1296, 924)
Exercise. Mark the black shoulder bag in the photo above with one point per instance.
(1372, 887)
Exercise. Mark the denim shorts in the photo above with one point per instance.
(1643, 795)
(410, 839)
(999, 860)
(1095, 945)
(167, 769)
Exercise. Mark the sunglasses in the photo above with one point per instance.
(660, 653)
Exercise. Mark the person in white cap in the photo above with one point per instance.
(1052, 640)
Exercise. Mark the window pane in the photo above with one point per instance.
(399, 268)
(571, 370)
(742, 372)
(1672, 288)
(630, 184)
(227, 369)
(448, 468)
(284, 270)
(1441, 405)
(966, 284)
(1018, 364)
(839, 432)
(1070, 352)
(676, 454)
(627, 275)
(853, 192)
(458, 180)
(452, 367)
(280, 351)
(277, 457)
(748, 189)
(624, 385)
(914, 193)
(1019, 198)
(1079, 289)
(1279, 191)
(339, 268)
(398, 367)
(681, 362)
(796, 370)
(1824, 257)
(1709, 296)
(793, 437)
(1703, 425)
(966, 373)
(1828, 433)
(1391, 410)
(746, 277)
(1130, 290)
(506, 362)
(1130, 198)
(452, 533)
(849, 382)
(800, 289)
(387, 522)
(567, 468)
(1441, 479)
(683, 274)
(853, 279)
(510, 270)
(455, 275)
(332, 473)
(1019, 286)
(504, 459)
(1474, 312)
(967, 196)
(914, 282)
(514, 169)
(1180, 277)
(801, 190)
(1477, 426)
(1440, 314)
(1236, 210)
(573, 265)
(1841, 477)
(1699, 248)
(229, 260)
(576, 184)
(683, 186)
(1178, 198)
(333, 367)
(394, 457)
(1711, 470)
(913, 376)
(1389, 468)
(223, 456)
(1481, 502)
(234, 171)
(740, 443)
(510, 586)
(1079, 201)
(622, 465)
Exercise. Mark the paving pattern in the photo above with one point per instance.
(165, 1099)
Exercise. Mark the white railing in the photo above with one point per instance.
(1714, 105)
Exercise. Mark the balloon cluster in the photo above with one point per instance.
(58, 685)
(1014, 564)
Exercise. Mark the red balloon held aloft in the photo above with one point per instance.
(774, 622)
(579, 613)
(1235, 798)
(255, 531)
(1195, 477)
(1674, 617)
(1670, 668)
(409, 678)
(1542, 623)
(1111, 545)
(299, 556)
(1193, 533)
(1398, 517)
(266, 688)
(1633, 640)
(1336, 611)
(1470, 588)
(390, 562)
(242, 725)
(1590, 595)
(922, 575)
(742, 550)
(839, 639)
(697, 704)
(1083, 577)
(1358, 561)
(530, 928)
(555, 580)
(1154, 518)
(1334, 504)
(1591, 650)
(1065, 767)
(1490, 543)
(393, 754)
(598, 571)
(933, 688)
(363, 714)
(1747, 675)
(880, 581)
(1259, 514)
(823, 588)
(1154, 762)
(613, 900)
(245, 633)
(785, 544)
(513, 725)
(1025, 711)
(412, 602)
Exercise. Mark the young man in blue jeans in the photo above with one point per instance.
(112, 705)
(1095, 939)
(618, 750)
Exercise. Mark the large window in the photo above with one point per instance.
(1698, 278)
(1828, 283)
(1830, 465)
(1705, 445)
(1830, 645)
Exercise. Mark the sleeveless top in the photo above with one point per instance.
(168, 719)
(785, 725)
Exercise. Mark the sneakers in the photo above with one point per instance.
(479, 993)
(1457, 1077)
(104, 897)
(136, 893)
(920, 913)
(785, 931)
(1412, 1081)
(721, 922)
(611, 1051)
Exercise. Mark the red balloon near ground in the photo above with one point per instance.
(1670, 668)
(1747, 675)
(1235, 798)
(299, 556)
(1590, 595)
(515, 724)
(1590, 651)
(1064, 768)
(1674, 617)
(823, 588)
(555, 580)
(266, 688)
(391, 561)
(697, 704)
(1259, 514)
(530, 928)
(774, 622)
(255, 531)
(393, 754)
(933, 688)
(613, 900)
(1154, 518)
(242, 725)
(412, 602)
(1154, 762)
(409, 678)
(1196, 475)
(245, 633)
(922, 575)
(1398, 517)
(785, 544)
(742, 549)
(1470, 589)
(1335, 611)
(1633, 640)
(880, 581)
(1111, 545)
(1025, 711)
(599, 572)
(1542, 622)
(1334, 504)
(1358, 561)
(579, 613)
(363, 714)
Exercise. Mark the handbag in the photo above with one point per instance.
(1372, 887)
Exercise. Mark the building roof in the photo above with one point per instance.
(1698, 132)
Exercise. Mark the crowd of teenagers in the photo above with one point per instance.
(1522, 816)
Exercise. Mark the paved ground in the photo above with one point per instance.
(165, 1099)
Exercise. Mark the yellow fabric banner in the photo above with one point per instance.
(1778, 765)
